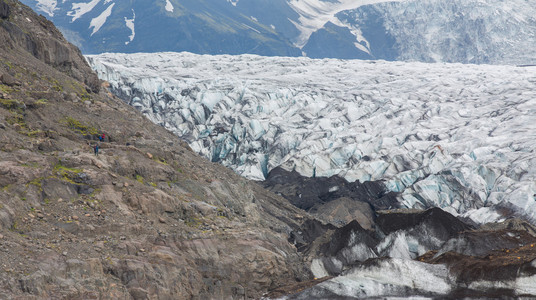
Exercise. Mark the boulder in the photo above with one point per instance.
(7, 79)
(4, 10)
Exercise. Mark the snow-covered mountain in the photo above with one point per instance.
(459, 137)
(466, 31)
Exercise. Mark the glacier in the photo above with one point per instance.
(459, 137)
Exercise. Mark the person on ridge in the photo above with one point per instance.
(96, 149)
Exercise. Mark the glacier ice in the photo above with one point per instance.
(383, 278)
(459, 137)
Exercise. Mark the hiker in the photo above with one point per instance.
(96, 149)
(102, 137)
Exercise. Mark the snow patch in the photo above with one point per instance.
(315, 14)
(47, 6)
(97, 22)
(233, 2)
(80, 9)
(169, 6)
(247, 26)
(130, 25)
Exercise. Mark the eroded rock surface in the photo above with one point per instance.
(417, 254)
(147, 218)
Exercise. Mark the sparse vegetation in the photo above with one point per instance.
(193, 222)
(11, 105)
(16, 108)
(8, 64)
(78, 127)
(160, 160)
(139, 178)
(65, 173)
(41, 102)
(36, 182)
(30, 165)
(17, 119)
(80, 91)
(34, 133)
(56, 85)
(6, 89)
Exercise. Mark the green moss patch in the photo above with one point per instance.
(79, 127)
(80, 90)
(12, 105)
(6, 89)
(66, 174)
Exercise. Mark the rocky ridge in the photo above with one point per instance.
(146, 218)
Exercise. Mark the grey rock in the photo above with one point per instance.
(4, 10)
(6, 218)
(7, 79)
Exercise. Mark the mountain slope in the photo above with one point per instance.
(145, 218)
(196, 26)
(482, 32)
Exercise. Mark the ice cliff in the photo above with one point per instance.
(459, 137)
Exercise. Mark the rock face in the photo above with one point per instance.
(416, 254)
(4, 10)
(332, 199)
(38, 37)
(146, 218)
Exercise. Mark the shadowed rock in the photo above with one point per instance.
(314, 194)
(441, 221)
(4, 10)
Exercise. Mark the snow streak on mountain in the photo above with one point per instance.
(466, 31)
(459, 137)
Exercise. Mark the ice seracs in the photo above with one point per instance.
(459, 137)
